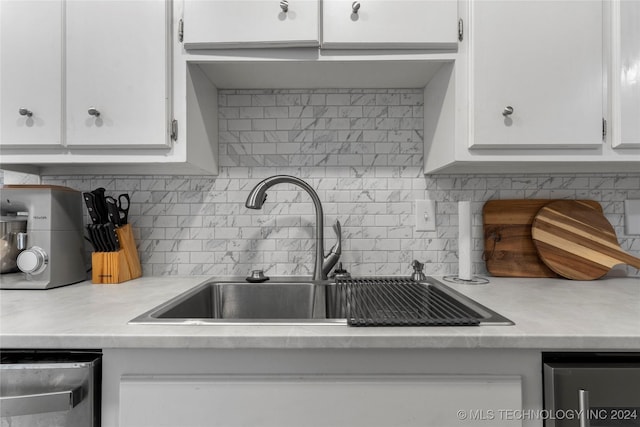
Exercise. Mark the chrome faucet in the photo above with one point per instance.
(323, 264)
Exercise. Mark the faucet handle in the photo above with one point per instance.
(337, 248)
(330, 260)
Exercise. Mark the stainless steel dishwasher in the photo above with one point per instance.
(592, 389)
(50, 388)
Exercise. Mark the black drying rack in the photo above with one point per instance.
(378, 301)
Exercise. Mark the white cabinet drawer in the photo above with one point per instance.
(218, 24)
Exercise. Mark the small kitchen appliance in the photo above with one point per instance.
(51, 250)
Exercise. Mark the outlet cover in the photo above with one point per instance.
(632, 217)
(425, 215)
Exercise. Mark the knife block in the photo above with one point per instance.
(120, 266)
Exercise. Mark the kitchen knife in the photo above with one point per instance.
(113, 211)
(109, 244)
(92, 238)
(110, 231)
(93, 233)
(90, 201)
(100, 204)
(102, 237)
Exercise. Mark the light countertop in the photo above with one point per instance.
(548, 314)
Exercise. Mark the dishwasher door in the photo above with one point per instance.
(50, 388)
(601, 391)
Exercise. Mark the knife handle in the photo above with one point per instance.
(112, 211)
(100, 204)
(112, 236)
(90, 202)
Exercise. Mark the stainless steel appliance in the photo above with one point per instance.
(592, 389)
(51, 251)
(50, 388)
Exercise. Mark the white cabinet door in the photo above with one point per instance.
(117, 64)
(393, 24)
(30, 72)
(221, 24)
(627, 71)
(536, 74)
(319, 400)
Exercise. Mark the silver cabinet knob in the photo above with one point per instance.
(25, 112)
(355, 6)
(284, 5)
(93, 111)
(508, 110)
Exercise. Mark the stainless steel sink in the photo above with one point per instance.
(278, 302)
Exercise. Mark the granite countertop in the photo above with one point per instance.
(548, 314)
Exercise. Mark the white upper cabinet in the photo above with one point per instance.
(30, 73)
(384, 24)
(532, 90)
(626, 74)
(536, 74)
(107, 80)
(117, 74)
(219, 24)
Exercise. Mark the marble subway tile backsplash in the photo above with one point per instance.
(321, 128)
(362, 152)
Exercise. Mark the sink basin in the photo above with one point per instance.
(279, 302)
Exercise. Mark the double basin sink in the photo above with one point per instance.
(277, 302)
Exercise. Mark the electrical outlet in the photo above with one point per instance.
(425, 215)
(632, 217)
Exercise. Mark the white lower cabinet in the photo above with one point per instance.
(321, 387)
(315, 400)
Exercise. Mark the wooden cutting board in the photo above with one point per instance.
(508, 248)
(577, 241)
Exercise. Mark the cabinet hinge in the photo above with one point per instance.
(174, 130)
(460, 29)
(604, 129)
(180, 30)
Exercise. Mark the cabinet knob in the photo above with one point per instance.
(25, 112)
(93, 111)
(284, 5)
(355, 6)
(508, 110)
